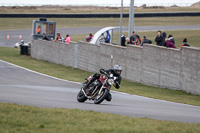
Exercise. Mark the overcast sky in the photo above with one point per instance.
(98, 2)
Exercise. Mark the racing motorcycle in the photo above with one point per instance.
(97, 90)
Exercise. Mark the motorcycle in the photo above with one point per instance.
(22, 43)
(98, 90)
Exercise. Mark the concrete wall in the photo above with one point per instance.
(152, 65)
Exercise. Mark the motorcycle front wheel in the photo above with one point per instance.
(100, 97)
(81, 97)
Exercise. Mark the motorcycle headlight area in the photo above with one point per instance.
(110, 81)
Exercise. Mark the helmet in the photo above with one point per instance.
(22, 42)
(117, 70)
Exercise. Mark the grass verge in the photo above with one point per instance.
(12, 55)
(20, 119)
(26, 23)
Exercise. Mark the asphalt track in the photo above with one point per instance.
(26, 87)
(26, 33)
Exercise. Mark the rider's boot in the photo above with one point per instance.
(94, 77)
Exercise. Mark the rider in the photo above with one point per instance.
(116, 71)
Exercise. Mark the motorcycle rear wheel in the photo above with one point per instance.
(81, 97)
(100, 97)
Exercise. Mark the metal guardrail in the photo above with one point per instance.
(101, 15)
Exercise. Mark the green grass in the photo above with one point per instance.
(26, 23)
(191, 35)
(19, 119)
(12, 55)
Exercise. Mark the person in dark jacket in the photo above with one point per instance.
(145, 40)
(159, 38)
(45, 37)
(123, 40)
(170, 37)
(185, 43)
(164, 35)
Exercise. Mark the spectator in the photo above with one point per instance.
(169, 44)
(185, 43)
(45, 37)
(145, 40)
(102, 38)
(68, 39)
(38, 30)
(123, 40)
(59, 37)
(88, 39)
(135, 39)
(127, 40)
(170, 37)
(164, 35)
(159, 38)
(107, 39)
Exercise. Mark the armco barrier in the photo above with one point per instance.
(152, 65)
(97, 15)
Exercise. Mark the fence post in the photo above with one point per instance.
(76, 56)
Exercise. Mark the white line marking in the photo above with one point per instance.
(39, 73)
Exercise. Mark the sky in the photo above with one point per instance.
(95, 2)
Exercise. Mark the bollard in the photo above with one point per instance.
(20, 37)
(8, 37)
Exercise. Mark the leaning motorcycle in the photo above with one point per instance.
(98, 90)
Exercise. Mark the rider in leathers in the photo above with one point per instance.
(116, 71)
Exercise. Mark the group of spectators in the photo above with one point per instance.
(161, 40)
(59, 38)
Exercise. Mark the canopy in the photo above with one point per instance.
(97, 35)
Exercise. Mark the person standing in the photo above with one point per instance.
(68, 39)
(169, 44)
(159, 38)
(102, 38)
(170, 37)
(38, 31)
(164, 36)
(123, 40)
(107, 40)
(135, 39)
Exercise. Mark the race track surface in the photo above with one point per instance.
(22, 86)
(26, 33)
